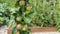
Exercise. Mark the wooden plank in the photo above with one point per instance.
(44, 29)
(39, 29)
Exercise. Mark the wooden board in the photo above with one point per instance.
(44, 29)
(39, 29)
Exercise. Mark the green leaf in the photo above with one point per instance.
(27, 20)
(14, 30)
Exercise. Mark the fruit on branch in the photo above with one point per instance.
(19, 26)
(27, 12)
(25, 28)
(22, 2)
(19, 19)
(28, 8)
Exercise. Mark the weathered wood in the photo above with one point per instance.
(9, 31)
(44, 29)
(39, 29)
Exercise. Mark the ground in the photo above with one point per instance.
(3, 30)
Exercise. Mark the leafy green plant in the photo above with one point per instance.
(3, 7)
(57, 14)
(45, 13)
(20, 15)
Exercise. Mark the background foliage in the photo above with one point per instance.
(43, 13)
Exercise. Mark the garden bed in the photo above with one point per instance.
(44, 29)
(39, 29)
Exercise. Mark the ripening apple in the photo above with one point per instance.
(22, 2)
(19, 26)
(19, 19)
(25, 28)
(28, 8)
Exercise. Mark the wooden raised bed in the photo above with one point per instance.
(39, 29)
(44, 29)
